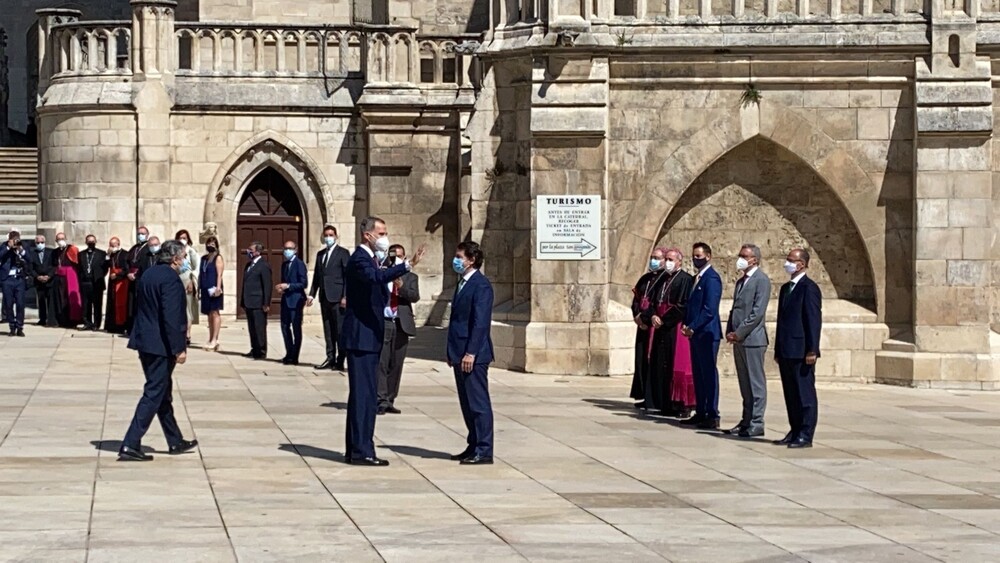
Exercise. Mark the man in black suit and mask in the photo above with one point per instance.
(256, 299)
(399, 327)
(42, 270)
(328, 281)
(92, 269)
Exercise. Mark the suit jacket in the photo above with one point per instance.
(40, 264)
(331, 278)
(257, 287)
(144, 262)
(408, 294)
(471, 317)
(160, 322)
(293, 272)
(702, 314)
(98, 268)
(13, 259)
(746, 318)
(800, 320)
(367, 295)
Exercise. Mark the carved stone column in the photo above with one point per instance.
(952, 342)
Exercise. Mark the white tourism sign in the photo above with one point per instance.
(568, 227)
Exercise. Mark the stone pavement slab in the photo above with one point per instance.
(895, 475)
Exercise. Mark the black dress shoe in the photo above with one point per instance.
(325, 365)
(477, 460)
(128, 454)
(393, 410)
(20, 332)
(800, 443)
(735, 429)
(183, 446)
(464, 455)
(751, 432)
(370, 461)
(290, 362)
(260, 357)
(380, 411)
(341, 367)
(640, 405)
(709, 424)
(693, 421)
(13, 332)
(788, 439)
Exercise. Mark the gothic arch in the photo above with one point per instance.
(664, 187)
(263, 150)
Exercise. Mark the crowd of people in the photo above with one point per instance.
(679, 331)
(70, 283)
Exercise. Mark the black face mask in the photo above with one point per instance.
(699, 263)
(91, 245)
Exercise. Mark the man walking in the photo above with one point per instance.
(293, 299)
(470, 352)
(328, 281)
(92, 268)
(364, 330)
(796, 348)
(255, 298)
(160, 337)
(746, 332)
(13, 275)
(399, 327)
(702, 326)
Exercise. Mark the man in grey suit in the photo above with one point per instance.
(399, 327)
(748, 336)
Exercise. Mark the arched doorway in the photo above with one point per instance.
(270, 212)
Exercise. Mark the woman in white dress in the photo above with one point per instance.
(190, 279)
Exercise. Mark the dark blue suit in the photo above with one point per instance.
(13, 263)
(293, 300)
(800, 320)
(469, 333)
(159, 334)
(363, 332)
(702, 317)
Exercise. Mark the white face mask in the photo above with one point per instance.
(790, 267)
(61, 243)
(382, 244)
(669, 266)
(742, 264)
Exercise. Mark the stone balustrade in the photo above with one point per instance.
(90, 48)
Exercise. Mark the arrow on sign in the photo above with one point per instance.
(582, 248)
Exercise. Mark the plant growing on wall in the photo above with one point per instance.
(751, 95)
(622, 39)
(493, 175)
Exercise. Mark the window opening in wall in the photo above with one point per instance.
(953, 48)
(625, 8)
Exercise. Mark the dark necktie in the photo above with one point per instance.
(739, 286)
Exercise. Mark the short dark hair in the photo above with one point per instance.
(704, 246)
(213, 240)
(395, 247)
(170, 250)
(471, 251)
(183, 233)
(330, 228)
(368, 223)
(13, 235)
(257, 246)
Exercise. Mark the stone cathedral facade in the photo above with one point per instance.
(860, 129)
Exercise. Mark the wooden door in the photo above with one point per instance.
(270, 213)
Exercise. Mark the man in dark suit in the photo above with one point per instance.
(399, 327)
(147, 259)
(364, 329)
(293, 299)
(470, 352)
(13, 281)
(255, 298)
(796, 349)
(703, 327)
(328, 281)
(92, 269)
(41, 271)
(160, 337)
(135, 257)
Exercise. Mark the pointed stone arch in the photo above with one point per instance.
(664, 187)
(267, 149)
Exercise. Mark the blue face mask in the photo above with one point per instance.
(141, 238)
(330, 241)
(186, 265)
(380, 255)
(40, 246)
(154, 249)
(458, 265)
(289, 253)
(654, 264)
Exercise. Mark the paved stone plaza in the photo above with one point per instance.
(896, 475)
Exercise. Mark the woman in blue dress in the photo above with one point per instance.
(210, 284)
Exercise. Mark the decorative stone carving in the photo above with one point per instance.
(211, 230)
